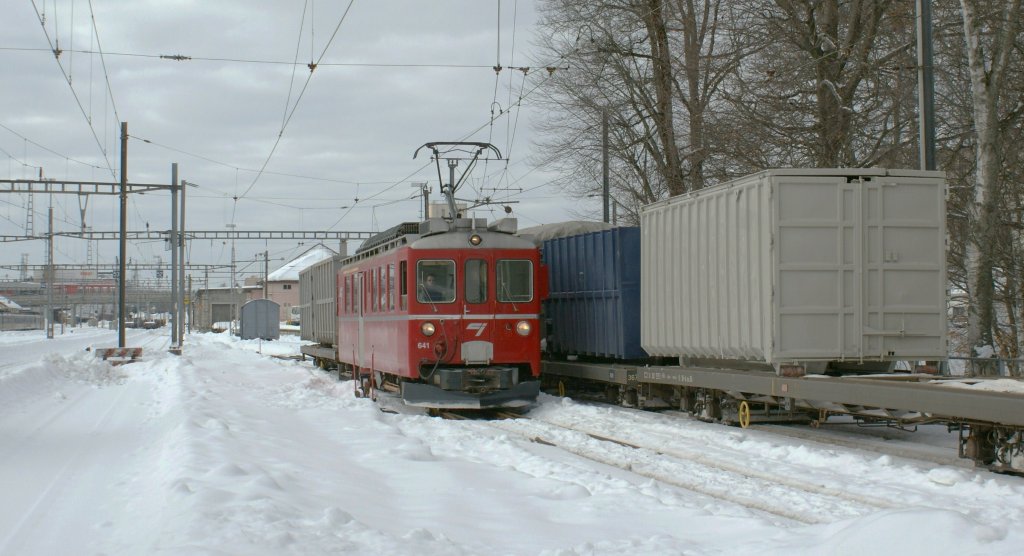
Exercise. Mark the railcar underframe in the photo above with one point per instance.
(991, 424)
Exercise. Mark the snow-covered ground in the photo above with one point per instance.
(225, 450)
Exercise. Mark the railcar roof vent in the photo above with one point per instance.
(392, 233)
(505, 226)
(469, 224)
(433, 226)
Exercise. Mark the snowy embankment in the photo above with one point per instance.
(225, 450)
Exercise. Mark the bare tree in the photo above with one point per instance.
(826, 88)
(654, 66)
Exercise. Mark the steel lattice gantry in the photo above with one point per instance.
(212, 234)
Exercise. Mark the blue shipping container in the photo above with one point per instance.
(594, 303)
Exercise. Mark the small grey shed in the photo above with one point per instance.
(260, 319)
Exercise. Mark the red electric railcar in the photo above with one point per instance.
(444, 313)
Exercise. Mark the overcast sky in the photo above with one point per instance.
(396, 75)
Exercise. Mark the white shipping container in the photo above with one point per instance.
(318, 308)
(798, 266)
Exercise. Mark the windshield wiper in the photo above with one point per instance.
(504, 286)
(428, 297)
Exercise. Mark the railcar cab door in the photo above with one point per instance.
(478, 309)
(497, 299)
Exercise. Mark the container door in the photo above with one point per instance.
(904, 289)
(817, 248)
(477, 306)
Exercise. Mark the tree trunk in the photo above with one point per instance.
(661, 69)
(986, 86)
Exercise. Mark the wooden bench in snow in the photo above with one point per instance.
(119, 356)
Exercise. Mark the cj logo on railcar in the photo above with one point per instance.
(478, 326)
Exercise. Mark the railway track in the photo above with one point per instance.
(765, 493)
(828, 435)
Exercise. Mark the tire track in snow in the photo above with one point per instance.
(34, 512)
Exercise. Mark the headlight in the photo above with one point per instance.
(523, 328)
(427, 328)
(475, 239)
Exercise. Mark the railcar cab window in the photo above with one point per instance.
(435, 281)
(515, 281)
(476, 281)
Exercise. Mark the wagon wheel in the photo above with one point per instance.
(744, 414)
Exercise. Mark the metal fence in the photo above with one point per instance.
(20, 321)
(984, 366)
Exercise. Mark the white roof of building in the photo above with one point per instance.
(290, 271)
(6, 303)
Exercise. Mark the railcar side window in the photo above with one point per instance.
(346, 285)
(372, 277)
(435, 281)
(515, 281)
(476, 281)
(391, 287)
(357, 295)
(403, 282)
(382, 276)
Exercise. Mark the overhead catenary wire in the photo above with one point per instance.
(237, 168)
(103, 62)
(465, 137)
(49, 150)
(78, 101)
(184, 58)
(287, 120)
(497, 117)
(295, 66)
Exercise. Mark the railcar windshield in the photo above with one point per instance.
(435, 281)
(515, 281)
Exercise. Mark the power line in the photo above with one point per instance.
(312, 67)
(103, 62)
(234, 167)
(49, 150)
(183, 58)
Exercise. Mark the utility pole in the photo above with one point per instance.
(604, 161)
(124, 240)
(424, 188)
(234, 299)
(206, 297)
(174, 257)
(925, 85)
(49, 279)
(266, 273)
(181, 270)
(189, 305)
